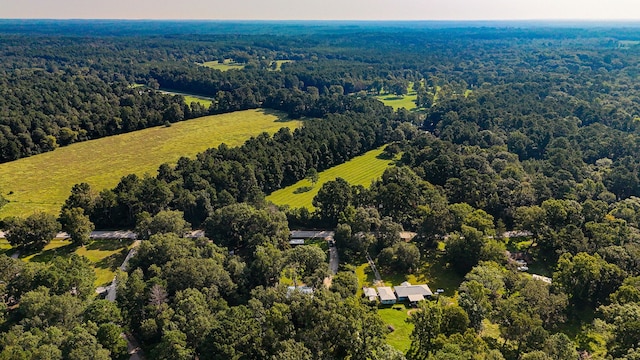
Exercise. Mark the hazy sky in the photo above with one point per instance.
(323, 9)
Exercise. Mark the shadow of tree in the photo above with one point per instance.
(112, 262)
(302, 189)
(47, 255)
(109, 245)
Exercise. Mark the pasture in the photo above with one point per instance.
(43, 182)
(361, 170)
(227, 65)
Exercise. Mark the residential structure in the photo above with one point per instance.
(412, 293)
(370, 293)
(387, 296)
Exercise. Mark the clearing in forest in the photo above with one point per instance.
(43, 182)
(361, 170)
(407, 101)
(189, 98)
(227, 65)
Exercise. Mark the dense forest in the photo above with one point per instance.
(530, 129)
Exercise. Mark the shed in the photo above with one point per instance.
(386, 295)
(370, 293)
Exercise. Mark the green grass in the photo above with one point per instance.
(43, 182)
(105, 254)
(397, 102)
(396, 316)
(279, 64)
(189, 98)
(407, 101)
(361, 170)
(225, 66)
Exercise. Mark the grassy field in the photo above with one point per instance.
(279, 64)
(43, 182)
(359, 171)
(189, 98)
(407, 101)
(397, 102)
(225, 66)
(106, 255)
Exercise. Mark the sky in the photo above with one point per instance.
(324, 9)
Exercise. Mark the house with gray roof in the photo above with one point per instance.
(412, 293)
(370, 293)
(387, 296)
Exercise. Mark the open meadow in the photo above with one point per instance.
(43, 182)
(189, 98)
(361, 170)
(407, 101)
(224, 66)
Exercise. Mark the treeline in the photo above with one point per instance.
(222, 176)
(43, 110)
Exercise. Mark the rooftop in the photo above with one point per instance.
(386, 293)
(406, 291)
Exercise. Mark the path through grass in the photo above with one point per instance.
(360, 170)
(43, 182)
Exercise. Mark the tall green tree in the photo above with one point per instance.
(77, 225)
(33, 232)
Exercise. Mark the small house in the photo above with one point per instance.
(370, 293)
(387, 296)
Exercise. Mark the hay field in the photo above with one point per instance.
(43, 182)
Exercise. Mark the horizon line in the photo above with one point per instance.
(343, 20)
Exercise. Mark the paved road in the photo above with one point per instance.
(334, 261)
(116, 234)
(310, 234)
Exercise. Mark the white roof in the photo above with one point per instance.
(541, 278)
(416, 297)
(369, 292)
(406, 291)
(386, 293)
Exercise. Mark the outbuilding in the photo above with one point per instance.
(370, 293)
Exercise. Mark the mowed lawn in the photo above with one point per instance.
(105, 254)
(396, 316)
(361, 170)
(43, 182)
